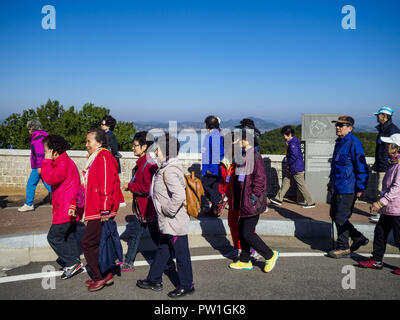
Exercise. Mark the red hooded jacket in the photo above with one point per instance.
(103, 190)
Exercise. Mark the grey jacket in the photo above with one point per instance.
(168, 198)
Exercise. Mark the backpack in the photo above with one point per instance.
(194, 190)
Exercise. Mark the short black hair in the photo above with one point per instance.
(110, 121)
(100, 136)
(250, 136)
(169, 145)
(144, 138)
(287, 130)
(247, 123)
(56, 143)
(211, 122)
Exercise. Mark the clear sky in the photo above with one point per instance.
(183, 60)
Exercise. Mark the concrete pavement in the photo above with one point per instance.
(302, 272)
(23, 236)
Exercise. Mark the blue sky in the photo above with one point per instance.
(183, 60)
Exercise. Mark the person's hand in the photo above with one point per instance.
(359, 194)
(48, 154)
(374, 207)
(126, 186)
(208, 172)
(71, 213)
(39, 170)
(105, 217)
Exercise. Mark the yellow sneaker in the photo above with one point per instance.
(270, 264)
(239, 265)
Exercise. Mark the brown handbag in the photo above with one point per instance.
(194, 190)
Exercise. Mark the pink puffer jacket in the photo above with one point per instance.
(63, 176)
(391, 191)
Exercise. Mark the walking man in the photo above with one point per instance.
(386, 128)
(348, 180)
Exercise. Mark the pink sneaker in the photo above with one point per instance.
(397, 272)
(126, 266)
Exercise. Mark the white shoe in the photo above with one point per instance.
(375, 218)
(122, 204)
(254, 254)
(25, 208)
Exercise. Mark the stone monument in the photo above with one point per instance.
(319, 134)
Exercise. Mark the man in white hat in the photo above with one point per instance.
(385, 129)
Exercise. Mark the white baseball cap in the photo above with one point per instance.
(385, 109)
(394, 138)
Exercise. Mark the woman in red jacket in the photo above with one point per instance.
(102, 199)
(61, 173)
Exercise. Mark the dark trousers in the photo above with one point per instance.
(211, 188)
(168, 246)
(248, 238)
(90, 246)
(133, 234)
(383, 227)
(342, 206)
(62, 238)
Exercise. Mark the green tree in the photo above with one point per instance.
(70, 124)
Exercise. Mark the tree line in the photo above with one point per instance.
(73, 125)
(69, 123)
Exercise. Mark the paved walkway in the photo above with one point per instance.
(40, 220)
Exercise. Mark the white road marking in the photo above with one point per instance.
(40, 275)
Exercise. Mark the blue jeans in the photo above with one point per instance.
(33, 181)
(133, 234)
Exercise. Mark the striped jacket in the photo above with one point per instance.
(103, 190)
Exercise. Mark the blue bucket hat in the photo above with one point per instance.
(386, 109)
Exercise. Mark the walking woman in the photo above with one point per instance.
(168, 193)
(37, 156)
(145, 214)
(102, 200)
(250, 189)
(389, 206)
(61, 173)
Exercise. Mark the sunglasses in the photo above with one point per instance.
(341, 125)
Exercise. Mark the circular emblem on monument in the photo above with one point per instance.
(317, 129)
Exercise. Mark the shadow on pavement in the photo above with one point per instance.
(213, 231)
(322, 243)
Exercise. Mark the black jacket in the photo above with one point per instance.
(381, 157)
(112, 145)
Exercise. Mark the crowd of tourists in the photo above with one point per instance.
(233, 176)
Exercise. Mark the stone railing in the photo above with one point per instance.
(15, 168)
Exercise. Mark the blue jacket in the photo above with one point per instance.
(294, 156)
(212, 153)
(349, 169)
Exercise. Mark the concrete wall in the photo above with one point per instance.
(15, 168)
